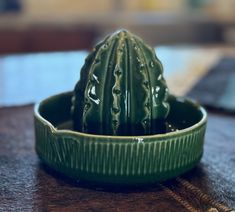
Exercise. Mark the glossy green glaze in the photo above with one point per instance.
(120, 160)
(121, 90)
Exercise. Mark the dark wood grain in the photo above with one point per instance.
(27, 185)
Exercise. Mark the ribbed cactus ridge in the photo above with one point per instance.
(121, 90)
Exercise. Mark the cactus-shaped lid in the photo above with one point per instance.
(121, 90)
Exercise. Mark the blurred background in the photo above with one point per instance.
(52, 25)
(191, 36)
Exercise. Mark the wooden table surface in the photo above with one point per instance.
(27, 185)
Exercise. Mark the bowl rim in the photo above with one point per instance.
(138, 137)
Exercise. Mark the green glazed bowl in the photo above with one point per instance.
(119, 160)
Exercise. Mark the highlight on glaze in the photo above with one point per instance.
(121, 90)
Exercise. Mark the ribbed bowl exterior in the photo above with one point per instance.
(118, 160)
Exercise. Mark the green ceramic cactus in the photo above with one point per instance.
(121, 90)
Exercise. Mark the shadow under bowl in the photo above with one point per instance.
(119, 160)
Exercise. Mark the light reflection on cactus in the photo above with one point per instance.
(121, 90)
